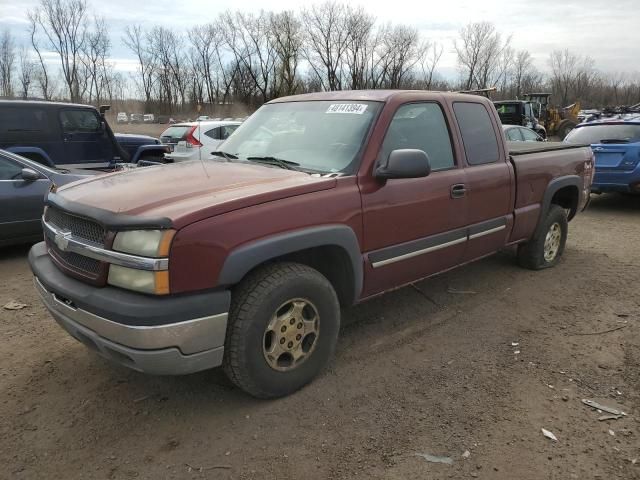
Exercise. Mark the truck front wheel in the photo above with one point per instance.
(282, 331)
(547, 245)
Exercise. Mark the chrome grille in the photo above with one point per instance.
(78, 262)
(80, 227)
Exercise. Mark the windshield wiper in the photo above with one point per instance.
(228, 156)
(286, 164)
(614, 140)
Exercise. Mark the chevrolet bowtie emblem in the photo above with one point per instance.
(62, 240)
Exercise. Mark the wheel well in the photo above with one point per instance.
(567, 197)
(331, 261)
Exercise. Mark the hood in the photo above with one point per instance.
(189, 191)
(134, 138)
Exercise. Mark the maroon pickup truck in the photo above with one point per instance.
(316, 202)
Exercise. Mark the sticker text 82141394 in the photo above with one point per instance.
(356, 108)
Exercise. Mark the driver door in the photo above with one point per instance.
(21, 202)
(415, 227)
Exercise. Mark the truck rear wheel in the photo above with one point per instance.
(282, 331)
(547, 245)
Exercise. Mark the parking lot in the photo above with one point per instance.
(432, 369)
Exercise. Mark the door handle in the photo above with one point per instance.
(458, 190)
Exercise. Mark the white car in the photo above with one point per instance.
(122, 118)
(149, 118)
(202, 118)
(195, 140)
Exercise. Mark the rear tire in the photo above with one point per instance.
(283, 329)
(547, 245)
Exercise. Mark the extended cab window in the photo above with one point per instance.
(421, 126)
(79, 121)
(478, 136)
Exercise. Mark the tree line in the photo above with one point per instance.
(251, 58)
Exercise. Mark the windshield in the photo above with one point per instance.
(321, 136)
(590, 134)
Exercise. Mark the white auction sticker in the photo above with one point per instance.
(357, 108)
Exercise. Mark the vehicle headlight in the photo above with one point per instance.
(147, 243)
(145, 281)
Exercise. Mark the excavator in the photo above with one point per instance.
(536, 112)
(556, 121)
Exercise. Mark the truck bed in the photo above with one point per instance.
(523, 148)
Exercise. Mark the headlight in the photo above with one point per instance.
(146, 281)
(148, 243)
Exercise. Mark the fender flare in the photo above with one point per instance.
(246, 257)
(553, 187)
(22, 150)
(160, 149)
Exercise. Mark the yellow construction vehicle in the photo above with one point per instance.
(556, 121)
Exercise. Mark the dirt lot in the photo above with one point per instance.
(153, 129)
(426, 370)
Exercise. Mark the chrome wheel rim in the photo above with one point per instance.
(291, 335)
(552, 242)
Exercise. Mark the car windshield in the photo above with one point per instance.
(613, 133)
(320, 136)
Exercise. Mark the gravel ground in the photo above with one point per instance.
(424, 370)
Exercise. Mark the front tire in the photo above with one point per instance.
(283, 329)
(547, 245)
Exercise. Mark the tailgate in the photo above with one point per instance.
(617, 156)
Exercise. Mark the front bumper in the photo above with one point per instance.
(157, 335)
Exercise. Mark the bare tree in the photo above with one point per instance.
(327, 39)
(483, 57)
(95, 53)
(286, 34)
(27, 72)
(136, 41)
(171, 64)
(360, 47)
(42, 76)
(251, 41)
(7, 61)
(570, 75)
(63, 23)
(429, 63)
(205, 40)
(402, 50)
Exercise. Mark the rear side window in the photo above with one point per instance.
(421, 126)
(513, 134)
(79, 121)
(227, 130)
(9, 170)
(22, 119)
(478, 136)
(528, 135)
(221, 133)
(213, 133)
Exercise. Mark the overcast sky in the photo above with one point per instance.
(606, 30)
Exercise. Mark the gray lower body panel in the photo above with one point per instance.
(167, 361)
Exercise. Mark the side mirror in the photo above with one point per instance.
(404, 163)
(29, 175)
(103, 109)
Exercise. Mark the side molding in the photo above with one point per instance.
(243, 259)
